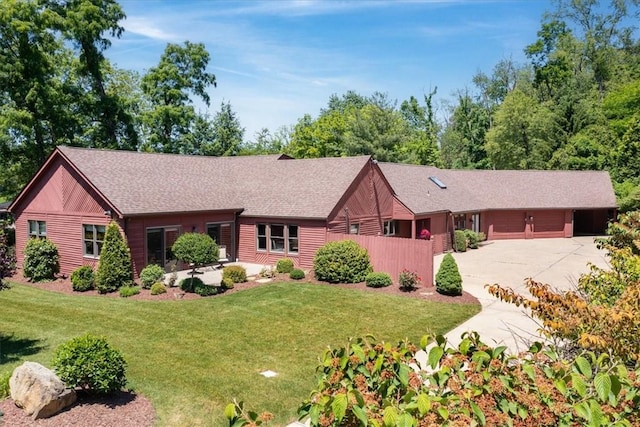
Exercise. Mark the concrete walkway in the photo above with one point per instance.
(558, 262)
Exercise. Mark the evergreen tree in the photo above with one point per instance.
(115, 267)
(448, 279)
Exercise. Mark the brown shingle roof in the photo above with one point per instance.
(471, 190)
(143, 183)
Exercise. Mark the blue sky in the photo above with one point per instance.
(277, 60)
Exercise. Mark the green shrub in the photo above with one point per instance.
(128, 291)
(481, 236)
(226, 283)
(378, 280)
(151, 274)
(114, 268)
(4, 384)
(408, 280)
(89, 362)
(284, 265)
(158, 288)
(82, 278)
(188, 284)
(448, 279)
(204, 290)
(342, 261)
(472, 239)
(296, 274)
(41, 260)
(196, 249)
(7, 257)
(237, 273)
(459, 241)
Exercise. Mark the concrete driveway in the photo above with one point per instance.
(558, 262)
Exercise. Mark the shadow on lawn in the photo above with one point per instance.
(13, 348)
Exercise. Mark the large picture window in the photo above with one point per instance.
(37, 229)
(93, 237)
(277, 238)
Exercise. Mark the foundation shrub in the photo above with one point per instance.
(189, 284)
(378, 280)
(158, 288)
(7, 257)
(342, 261)
(41, 260)
(82, 278)
(296, 274)
(128, 291)
(459, 241)
(227, 283)
(472, 239)
(151, 274)
(205, 290)
(284, 265)
(89, 362)
(237, 273)
(115, 267)
(448, 279)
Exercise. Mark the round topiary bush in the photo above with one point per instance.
(237, 273)
(448, 279)
(296, 274)
(342, 261)
(195, 250)
(284, 265)
(82, 278)
(151, 274)
(378, 280)
(89, 362)
(41, 260)
(188, 284)
(158, 288)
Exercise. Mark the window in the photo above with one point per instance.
(354, 228)
(37, 229)
(282, 238)
(390, 228)
(93, 236)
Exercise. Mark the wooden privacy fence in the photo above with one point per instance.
(393, 254)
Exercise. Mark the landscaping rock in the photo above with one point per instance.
(39, 391)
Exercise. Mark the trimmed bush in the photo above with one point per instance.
(128, 291)
(237, 273)
(151, 274)
(82, 278)
(188, 284)
(472, 239)
(378, 280)
(114, 268)
(89, 362)
(7, 258)
(227, 283)
(459, 241)
(158, 288)
(296, 274)
(196, 249)
(205, 290)
(41, 260)
(448, 279)
(284, 265)
(342, 261)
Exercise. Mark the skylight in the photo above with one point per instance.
(437, 182)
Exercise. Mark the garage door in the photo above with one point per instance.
(548, 224)
(508, 224)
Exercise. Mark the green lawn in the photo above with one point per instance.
(193, 357)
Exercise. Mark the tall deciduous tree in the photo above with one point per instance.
(182, 72)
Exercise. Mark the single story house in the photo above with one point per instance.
(262, 208)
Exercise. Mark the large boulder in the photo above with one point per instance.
(39, 391)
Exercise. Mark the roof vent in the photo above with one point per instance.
(437, 182)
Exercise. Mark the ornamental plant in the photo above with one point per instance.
(342, 261)
(448, 279)
(409, 280)
(196, 250)
(7, 259)
(41, 260)
(128, 291)
(297, 274)
(115, 267)
(284, 265)
(89, 362)
(82, 278)
(151, 274)
(236, 273)
(158, 288)
(378, 280)
(460, 241)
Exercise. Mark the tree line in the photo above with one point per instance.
(575, 103)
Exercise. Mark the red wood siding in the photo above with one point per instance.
(440, 231)
(311, 235)
(529, 224)
(369, 202)
(136, 230)
(400, 211)
(506, 224)
(393, 254)
(551, 223)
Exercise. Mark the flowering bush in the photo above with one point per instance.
(409, 280)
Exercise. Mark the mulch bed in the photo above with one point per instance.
(131, 410)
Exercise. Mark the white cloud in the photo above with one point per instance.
(145, 27)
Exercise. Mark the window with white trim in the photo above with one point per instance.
(92, 239)
(277, 238)
(37, 229)
(390, 228)
(354, 228)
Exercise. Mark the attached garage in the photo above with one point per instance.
(507, 224)
(550, 223)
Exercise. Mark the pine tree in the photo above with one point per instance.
(448, 279)
(115, 268)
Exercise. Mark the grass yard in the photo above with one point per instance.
(191, 358)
